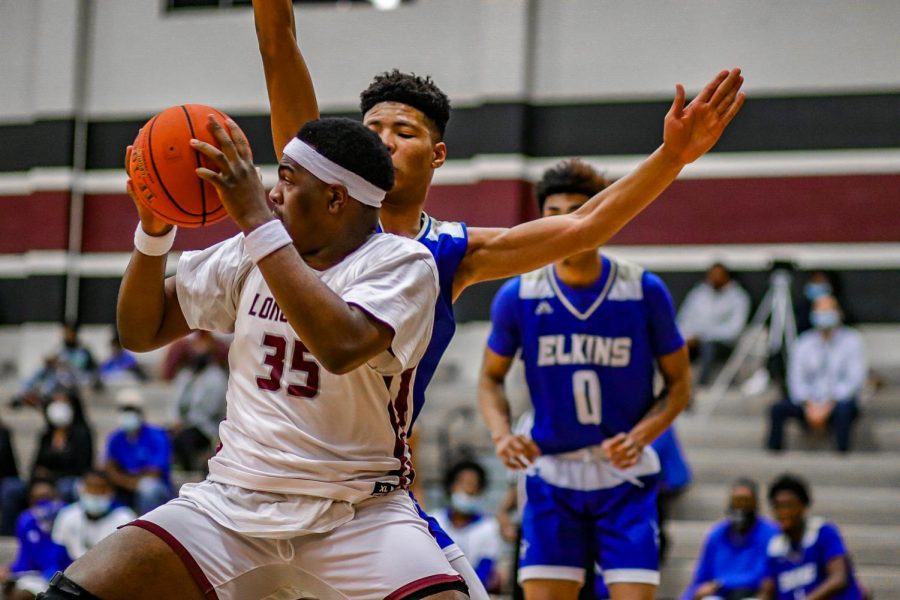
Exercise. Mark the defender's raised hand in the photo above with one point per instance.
(238, 183)
(690, 131)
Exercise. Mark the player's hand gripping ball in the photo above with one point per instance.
(163, 166)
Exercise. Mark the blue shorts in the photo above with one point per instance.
(451, 550)
(565, 530)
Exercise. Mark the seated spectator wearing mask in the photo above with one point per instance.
(78, 357)
(38, 556)
(712, 317)
(121, 367)
(807, 559)
(476, 533)
(66, 446)
(137, 456)
(733, 560)
(200, 402)
(12, 489)
(826, 372)
(81, 525)
(35, 391)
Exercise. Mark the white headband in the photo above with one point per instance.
(332, 173)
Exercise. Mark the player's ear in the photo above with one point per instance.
(440, 155)
(337, 197)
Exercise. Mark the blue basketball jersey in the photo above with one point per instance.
(447, 241)
(589, 353)
(798, 570)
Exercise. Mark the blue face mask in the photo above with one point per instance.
(814, 291)
(463, 503)
(825, 319)
(95, 506)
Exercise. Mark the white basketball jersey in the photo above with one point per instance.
(291, 426)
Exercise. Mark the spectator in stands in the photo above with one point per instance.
(200, 402)
(712, 317)
(807, 559)
(78, 357)
(66, 446)
(12, 489)
(476, 533)
(137, 456)
(819, 283)
(38, 557)
(121, 367)
(826, 372)
(81, 525)
(36, 389)
(182, 352)
(733, 560)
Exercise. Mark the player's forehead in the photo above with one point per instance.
(395, 114)
(288, 166)
(562, 201)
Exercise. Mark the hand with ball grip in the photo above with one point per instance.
(237, 182)
(150, 223)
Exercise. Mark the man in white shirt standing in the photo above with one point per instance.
(826, 372)
(306, 497)
(712, 317)
(81, 525)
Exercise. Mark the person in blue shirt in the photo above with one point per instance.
(807, 559)
(38, 556)
(733, 560)
(138, 456)
(591, 332)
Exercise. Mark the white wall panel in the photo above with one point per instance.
(640, 48)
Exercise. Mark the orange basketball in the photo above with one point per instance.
(163, 166)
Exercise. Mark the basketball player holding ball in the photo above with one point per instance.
(306, 498)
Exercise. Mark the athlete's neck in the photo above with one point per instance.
(580, 271)
(405, 221)
(330, 255)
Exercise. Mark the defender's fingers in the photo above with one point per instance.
(734, 109)
(241, 143)
(707, 92)
(722, 90)
(678, 102)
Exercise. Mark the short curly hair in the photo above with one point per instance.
(793, 484)
(352, 146)
(418, 92)
(572, 176)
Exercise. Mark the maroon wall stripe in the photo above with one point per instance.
(110, 219)
(39, 221)
(766, 210)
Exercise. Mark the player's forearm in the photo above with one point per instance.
(341, 337)
(292, 97)
(494, 406)
(610, 210)
(142, 302)
(666, 410)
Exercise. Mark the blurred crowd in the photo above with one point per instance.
(67, 501)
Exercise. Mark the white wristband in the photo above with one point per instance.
(153, 245)
(266, 239)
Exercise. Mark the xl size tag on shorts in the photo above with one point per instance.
(382, 488)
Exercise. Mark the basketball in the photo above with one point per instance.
(163, 166)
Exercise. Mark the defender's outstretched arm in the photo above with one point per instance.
(292, 97)
(688, 133)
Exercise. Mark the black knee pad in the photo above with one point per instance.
(63, 588)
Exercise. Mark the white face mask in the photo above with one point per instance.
(60, 414)
(825, 319)
(130, 421)
(463, 503)
(95, 506)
